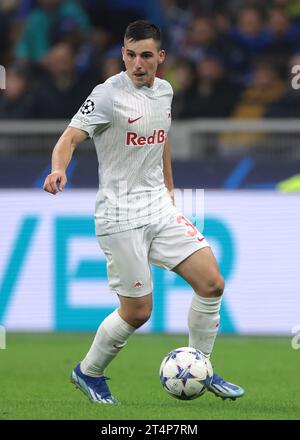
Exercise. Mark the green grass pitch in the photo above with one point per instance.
(35, 370)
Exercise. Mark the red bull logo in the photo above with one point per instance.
(134, 140)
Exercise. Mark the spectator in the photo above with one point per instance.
(185, 88)
(7, 13)
(284, 37)
(62, 91)
(288, 105)
(216, 94)
(25, 8)
(93, 52)
(4, 39)
(201, 40)
(200, 33)
(249, 39)
(177, 21)
(250, 27)
(112, 63)
(293, 10)
(16, 101)
(203, 92)
(222, 22)
(36, 39)
(265, 88)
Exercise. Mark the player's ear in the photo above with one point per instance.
(162, 56)
(123, 51)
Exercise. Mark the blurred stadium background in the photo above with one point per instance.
(235, 133)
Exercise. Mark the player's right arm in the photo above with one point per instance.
(94, 114)
(61, 157)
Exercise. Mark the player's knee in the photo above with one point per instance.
(214, 287)
(139, 316)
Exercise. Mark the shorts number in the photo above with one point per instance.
(193, 231)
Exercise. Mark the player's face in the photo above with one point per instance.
(141, 60)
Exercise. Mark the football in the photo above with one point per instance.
(185, 373)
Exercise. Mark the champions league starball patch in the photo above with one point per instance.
(87, 107)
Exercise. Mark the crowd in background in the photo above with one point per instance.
(229, 58)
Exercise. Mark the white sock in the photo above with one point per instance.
(111, 336)
(203, 323)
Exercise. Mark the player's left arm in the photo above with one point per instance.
(167, 169)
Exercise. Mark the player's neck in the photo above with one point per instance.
(148, 85)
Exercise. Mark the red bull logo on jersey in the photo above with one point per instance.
(134, 140)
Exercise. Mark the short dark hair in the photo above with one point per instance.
(142, 30)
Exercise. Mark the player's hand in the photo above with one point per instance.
(55, 182)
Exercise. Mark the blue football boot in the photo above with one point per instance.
(224, 389)
(95, 388)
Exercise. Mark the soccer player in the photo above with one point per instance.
(136, 221)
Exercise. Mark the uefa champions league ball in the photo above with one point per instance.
(185, 373)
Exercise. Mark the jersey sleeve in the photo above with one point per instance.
(95, 114)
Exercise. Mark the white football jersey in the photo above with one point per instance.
(129, 126)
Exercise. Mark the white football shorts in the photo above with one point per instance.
(130, 253)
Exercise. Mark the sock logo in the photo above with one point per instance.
(119, 346)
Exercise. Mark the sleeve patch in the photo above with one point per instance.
(87, 107)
